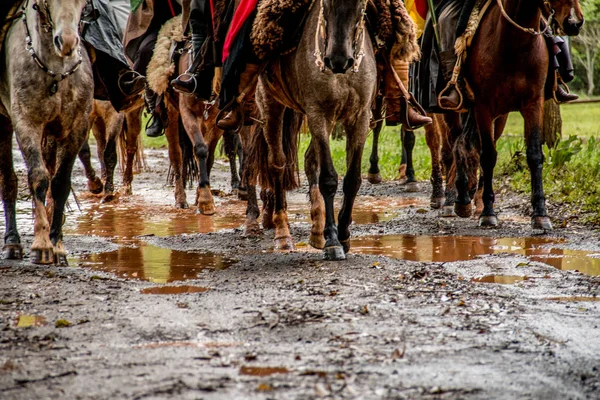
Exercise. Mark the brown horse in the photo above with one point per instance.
(506, 68)
(46, 95)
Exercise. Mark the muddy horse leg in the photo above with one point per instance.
(433, 138)
(130, 134)
(533, 116)
(114, 127)
(374, 175)
(408, 145)
(449, 134)
(328, 184)
(176, 157)
(12, 249)
(94, 182)
(356, 134)
(317, 205)
(489, 155)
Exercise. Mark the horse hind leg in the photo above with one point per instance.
(116, 123)
(129, 135)
(433, 138)
(12, 250)
(317, 204)
(374, 174)
(408, 145)
(230, 142)
(533, 116)
(488, 159)
(356, 135)
(94, 184)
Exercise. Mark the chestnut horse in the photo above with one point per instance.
(46, 94)
(506, 68)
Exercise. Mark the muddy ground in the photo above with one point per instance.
(425, 308)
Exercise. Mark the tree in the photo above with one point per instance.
(587, 44)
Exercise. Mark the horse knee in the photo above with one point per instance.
(328, 186)
(201, 151)
(39, 181)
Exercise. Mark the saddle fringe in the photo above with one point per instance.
(162, 66)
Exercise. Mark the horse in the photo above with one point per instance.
(113, 131)
(506, 69)
(340, 88)
(46, 95)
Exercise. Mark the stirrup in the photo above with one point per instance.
(134, 74)
(405, 103)
(560, 82)
(192, 77)
(453, 83)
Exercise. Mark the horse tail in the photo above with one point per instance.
(257, 169)
(465, 166)
(552, 126)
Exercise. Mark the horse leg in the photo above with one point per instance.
(356, 134)
(408, 144)
(230, 144)
(114, 127)
(533, 116)
(94, 182)
(12, 249)
(489, 155)
(450, 132)
(42, 250)
(176, 158)
(317, 204)
(252, 213)
(130, 133)
(268, 199)
(204, 198)
(328, 183)
(374, 175)
(432, 137)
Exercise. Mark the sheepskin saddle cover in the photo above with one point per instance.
(162, 65)
(278, 23)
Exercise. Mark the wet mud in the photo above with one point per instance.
(165, 303)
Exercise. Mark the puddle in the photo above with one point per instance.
(573, 299)
(154, 264)
(462, 248)
(263, 371)
(174, 290)
(25, 321)
(501, 279)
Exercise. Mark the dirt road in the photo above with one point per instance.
(164, 303)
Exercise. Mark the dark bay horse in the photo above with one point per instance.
(338, 86)
(506, 68)
(46, 96)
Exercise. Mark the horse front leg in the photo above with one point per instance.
(356, 134)
(320, 129)
(450, 132)
(433, 136)
(408, 145)
(317, 204)
(61, 187)
(189, 117)
(109, 154)
(533, 116)
(130, 134)
(489, 155)
(29, 138)
(12, 249)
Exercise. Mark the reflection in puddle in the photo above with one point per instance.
(501, 279)
(174, 290)
(573, 299)
(263, 371)
(154, 264)
(461, 248)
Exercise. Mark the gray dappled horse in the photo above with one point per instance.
(339, 86)
(46, 91)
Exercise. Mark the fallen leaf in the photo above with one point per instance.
(25, 321)
(264, 387)
(62, 323)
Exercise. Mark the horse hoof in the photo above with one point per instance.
(61, 260)
(12, 252)
(42, 256)
(182, 205)
(374, 178)
(267, 223)
(252, 229)
(543, 223)
(488, 221)
(317, 241)
(334, 253)
(206, 209)
(95, 185)
(463, 210)
(284, 244)
(412, 187)
(437, 203)
(447, 212)
(127, 190)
